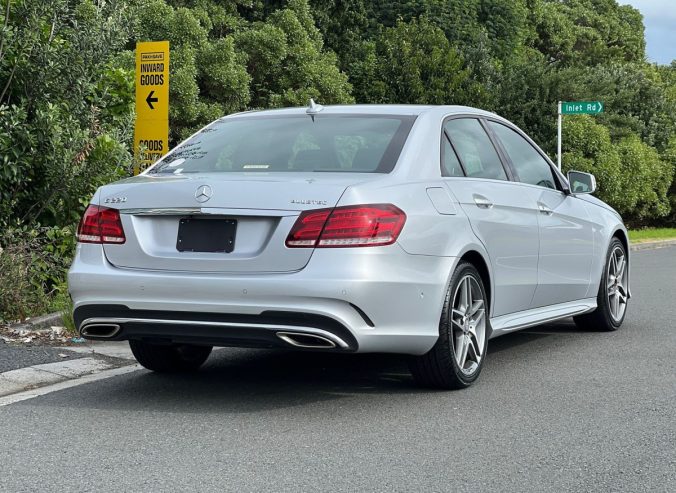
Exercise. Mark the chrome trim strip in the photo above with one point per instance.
(214, 211)
(176, 211)
(288, 328)
(509, 323)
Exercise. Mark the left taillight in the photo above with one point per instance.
(100, 225)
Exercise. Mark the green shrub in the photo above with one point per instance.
(33, 266)
(631, 175)
(66, 111)
(412, 63)
(62, 304)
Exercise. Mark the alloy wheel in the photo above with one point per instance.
(468, 324)
(617, 280)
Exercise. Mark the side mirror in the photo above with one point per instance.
(581, 182)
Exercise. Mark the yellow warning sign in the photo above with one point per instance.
(151, 132)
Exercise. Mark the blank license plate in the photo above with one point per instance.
(206, 235)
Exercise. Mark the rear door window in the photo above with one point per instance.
(475, 149)
(530, 166)
(450, 165)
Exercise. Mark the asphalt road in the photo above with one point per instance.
(556, 409)
(12, 357)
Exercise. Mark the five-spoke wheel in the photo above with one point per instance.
(613, 295)
(468, 324)
(616, 282)
(456, 359)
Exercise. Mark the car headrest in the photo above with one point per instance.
(309, 159)
(367, 159)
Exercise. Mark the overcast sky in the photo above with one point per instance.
(659, 18)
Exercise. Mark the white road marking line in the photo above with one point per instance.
(92, 377)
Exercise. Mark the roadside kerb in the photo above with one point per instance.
(651, 245)
(40, 375)
(43, 322)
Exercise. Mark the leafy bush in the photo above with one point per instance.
(20, 294)
(631, 176)
(647, 177)
(412, 62)
(669, 156)
(33, 266)
(65, 112)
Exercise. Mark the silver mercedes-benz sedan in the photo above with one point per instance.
(419, 230)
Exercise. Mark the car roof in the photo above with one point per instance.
(374, 109)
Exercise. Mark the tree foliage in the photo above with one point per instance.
(287, 61)
(65, 111)
(411, 62)
(66, 78)
(630, 173)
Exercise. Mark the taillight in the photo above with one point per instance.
(348, 226)
(100, 225)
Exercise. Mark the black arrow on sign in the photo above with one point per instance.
(150, 100)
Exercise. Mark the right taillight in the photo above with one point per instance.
(348, 226)
(100, 225)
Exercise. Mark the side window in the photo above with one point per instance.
(530, 165)
(450, 166)
(475, 149)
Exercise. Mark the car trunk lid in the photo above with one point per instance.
(261, 210)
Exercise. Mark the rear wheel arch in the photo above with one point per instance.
(477, 260)
(621, 235)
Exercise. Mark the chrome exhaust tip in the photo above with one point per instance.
(100, 331)
(308, 341)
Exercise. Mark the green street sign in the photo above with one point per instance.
(581, 107)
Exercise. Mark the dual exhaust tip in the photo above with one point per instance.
(296, 339)
(304, 340)
(100, 331)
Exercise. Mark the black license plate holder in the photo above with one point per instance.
(207, 235)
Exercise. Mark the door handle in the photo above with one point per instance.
(544, 209)
(482, 202)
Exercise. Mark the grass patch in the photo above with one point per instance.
(62, 303)
(652, 234)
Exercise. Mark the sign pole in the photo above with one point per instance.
(575, 108)
(558, 144)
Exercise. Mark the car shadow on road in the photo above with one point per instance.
(251, 380)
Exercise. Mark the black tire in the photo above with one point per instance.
(169, 358)
(601, 319)
(438, 367)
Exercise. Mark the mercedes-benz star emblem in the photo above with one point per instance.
(203, 193)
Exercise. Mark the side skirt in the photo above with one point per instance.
(511, 322)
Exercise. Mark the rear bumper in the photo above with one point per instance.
(372, 299)
(267, 330)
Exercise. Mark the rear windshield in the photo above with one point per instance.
(298, 143)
